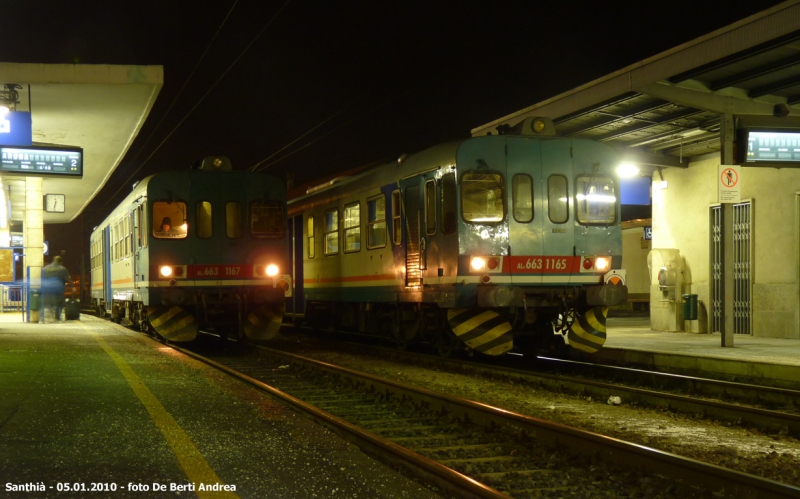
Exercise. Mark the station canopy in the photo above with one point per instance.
(97, 107)
(664, 110)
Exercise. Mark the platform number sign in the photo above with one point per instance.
(729, 183)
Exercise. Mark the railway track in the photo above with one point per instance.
(771, 409)
(468, 449)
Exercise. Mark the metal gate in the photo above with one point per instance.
(741, 225)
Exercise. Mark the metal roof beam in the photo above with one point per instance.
(663, 121)
(589, 110)
(709, 101)
(732, 80)
(739, 56)
(774, 87)
(628, 114)
(650, 159)
(793, 99)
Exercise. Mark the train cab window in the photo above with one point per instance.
(376, 222)
(233, 220)
(557, 199)
(430, 207)
(449, 207)
(595, 200)
(352, 227)
(522, 198)
(331, 232)
(267, 220)
(169, 220)
(397, 228)
(310, 240)
(203, 220)
(482, 198)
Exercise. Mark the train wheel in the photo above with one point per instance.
(447, 343)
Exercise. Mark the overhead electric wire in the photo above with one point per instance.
(210, 89)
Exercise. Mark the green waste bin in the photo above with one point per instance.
(35, 303)
(690, 307)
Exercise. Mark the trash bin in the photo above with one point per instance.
(690, 307)
(35, 303)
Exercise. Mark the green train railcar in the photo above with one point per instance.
(200, 249)
(489, 243)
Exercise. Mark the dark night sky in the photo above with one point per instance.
(402, 76)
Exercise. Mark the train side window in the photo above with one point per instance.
(115, 237)
(128, 235)
(267, 220)
(430, 207)
(233, 219)
(332, 232)
(169, 220)
(397, 227)
(482, 198)
(449, 205)
(203, 220)
(522, 197)
(352, 227)
(595, 200)
(310, 236)
(376, 222)
(557, 199)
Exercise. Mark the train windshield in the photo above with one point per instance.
(169, 220)
(267, 220)
(595, 200)
(482, 198)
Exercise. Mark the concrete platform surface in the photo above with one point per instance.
(630, 341)
(89, 404)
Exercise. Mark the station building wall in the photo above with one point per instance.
(681, 221)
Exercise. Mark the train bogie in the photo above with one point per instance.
(493, 243)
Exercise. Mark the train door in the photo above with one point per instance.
(525, 213)
(108, 293)
(139, 264)
(295, 304)
(558, 248)
(414, 243)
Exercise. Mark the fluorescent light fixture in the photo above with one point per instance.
(627, 170)
(4, 110)
(597, 198)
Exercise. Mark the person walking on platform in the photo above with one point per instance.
(55, 277)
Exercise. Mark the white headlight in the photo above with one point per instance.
(478, 263)
(165, 270)
(272, 270)
(602, 263)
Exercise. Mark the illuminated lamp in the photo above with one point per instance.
(602, 264)
(165, 270)
(477, 263)
(272, 270)
(4, 110)
(588, 263)
(627, 170)
(538, 126)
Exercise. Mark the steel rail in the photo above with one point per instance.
(689, 471)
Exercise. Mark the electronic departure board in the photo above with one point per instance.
(45, 161)
(781, 147)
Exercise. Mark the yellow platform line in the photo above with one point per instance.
(189, 457)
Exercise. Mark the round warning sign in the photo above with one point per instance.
(729, 177)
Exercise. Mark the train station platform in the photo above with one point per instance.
(91, 405)
(631, 342)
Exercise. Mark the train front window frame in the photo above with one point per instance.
(522, 198)
(173, 213)
(558, 199)
(233, 220)
(204, 220)
(376, 222)
(483, 197)
(331, 234)
(595, 200)
(352, 227)
(267, 220)
(449, 204)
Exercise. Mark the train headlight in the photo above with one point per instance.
(478, 263)
(602, 264)
(165, 270)
(272, 270)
